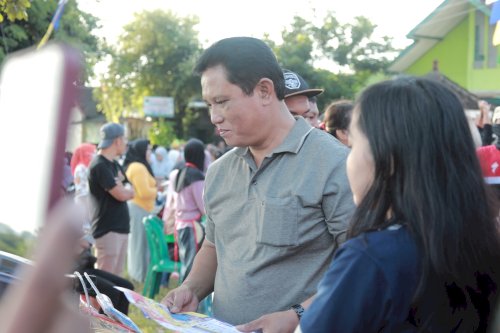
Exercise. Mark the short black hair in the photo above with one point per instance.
(246, 61)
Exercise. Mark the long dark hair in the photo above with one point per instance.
(428, 177)
(137, 153)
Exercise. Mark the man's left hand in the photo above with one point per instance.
(277, 322)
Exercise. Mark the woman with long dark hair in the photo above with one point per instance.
(423, 250)
(140, 175)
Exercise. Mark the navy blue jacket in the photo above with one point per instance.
(369, 286)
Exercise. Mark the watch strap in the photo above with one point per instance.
(299, 310)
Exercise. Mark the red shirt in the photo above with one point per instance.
(489, 158)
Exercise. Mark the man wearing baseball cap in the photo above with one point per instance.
(110, 191)
(298, 96)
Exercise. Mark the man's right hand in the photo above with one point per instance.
(181, 299)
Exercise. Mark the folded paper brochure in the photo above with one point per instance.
(187, 322)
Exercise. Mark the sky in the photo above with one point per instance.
(227, 18)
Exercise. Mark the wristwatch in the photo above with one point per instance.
(299, 310)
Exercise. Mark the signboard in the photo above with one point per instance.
(156, 106)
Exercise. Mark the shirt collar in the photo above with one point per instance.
(293, 141)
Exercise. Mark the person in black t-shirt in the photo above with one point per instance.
(109, 189)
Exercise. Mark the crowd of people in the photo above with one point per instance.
(378, 216)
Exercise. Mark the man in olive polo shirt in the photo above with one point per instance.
(275, 205)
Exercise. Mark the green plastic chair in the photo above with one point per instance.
(170, 239)
(160, 260)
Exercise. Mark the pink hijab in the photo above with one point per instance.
(82, 155)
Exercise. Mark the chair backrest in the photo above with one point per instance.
(156, 240)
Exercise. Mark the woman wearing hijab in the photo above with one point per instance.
(187, 202)
(80, 161)
(83, 154)
(162, 164)
(141, 177)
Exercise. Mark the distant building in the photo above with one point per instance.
(458, 36)
(85, 121)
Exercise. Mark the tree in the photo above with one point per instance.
(295, 53)
(14, 9)
(15, 243)
(154, 57)
(161, 133)
(349, 50)
(75, 28)
(352, 45)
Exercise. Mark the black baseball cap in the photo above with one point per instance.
(295, 85)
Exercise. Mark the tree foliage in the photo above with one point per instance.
(348, 50)
(154, 57)
(14, 9)
(161, 133)
(352, 45)
(12, 242)
(157, 51)
(75, 28)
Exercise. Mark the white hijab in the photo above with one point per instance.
(161, 168)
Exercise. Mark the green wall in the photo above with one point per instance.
(483, 79)
(452, 54)
(455, 54)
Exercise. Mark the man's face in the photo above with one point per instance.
(312, 116)
(298, 105)
(121, 145)
(239, 118)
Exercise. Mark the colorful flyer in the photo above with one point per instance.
(186, 322)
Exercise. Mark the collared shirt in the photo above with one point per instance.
(275, 227)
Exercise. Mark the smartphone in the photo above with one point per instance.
(37, 93)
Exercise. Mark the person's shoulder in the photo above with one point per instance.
(136, 167)
(98, 162)
(392, 243)
(225, 160)
(487, 150)
(327, 142)
(81, 169)
(325, 150)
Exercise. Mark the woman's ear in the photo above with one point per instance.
(265, 89)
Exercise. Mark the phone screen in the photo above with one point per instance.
(37, 93)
